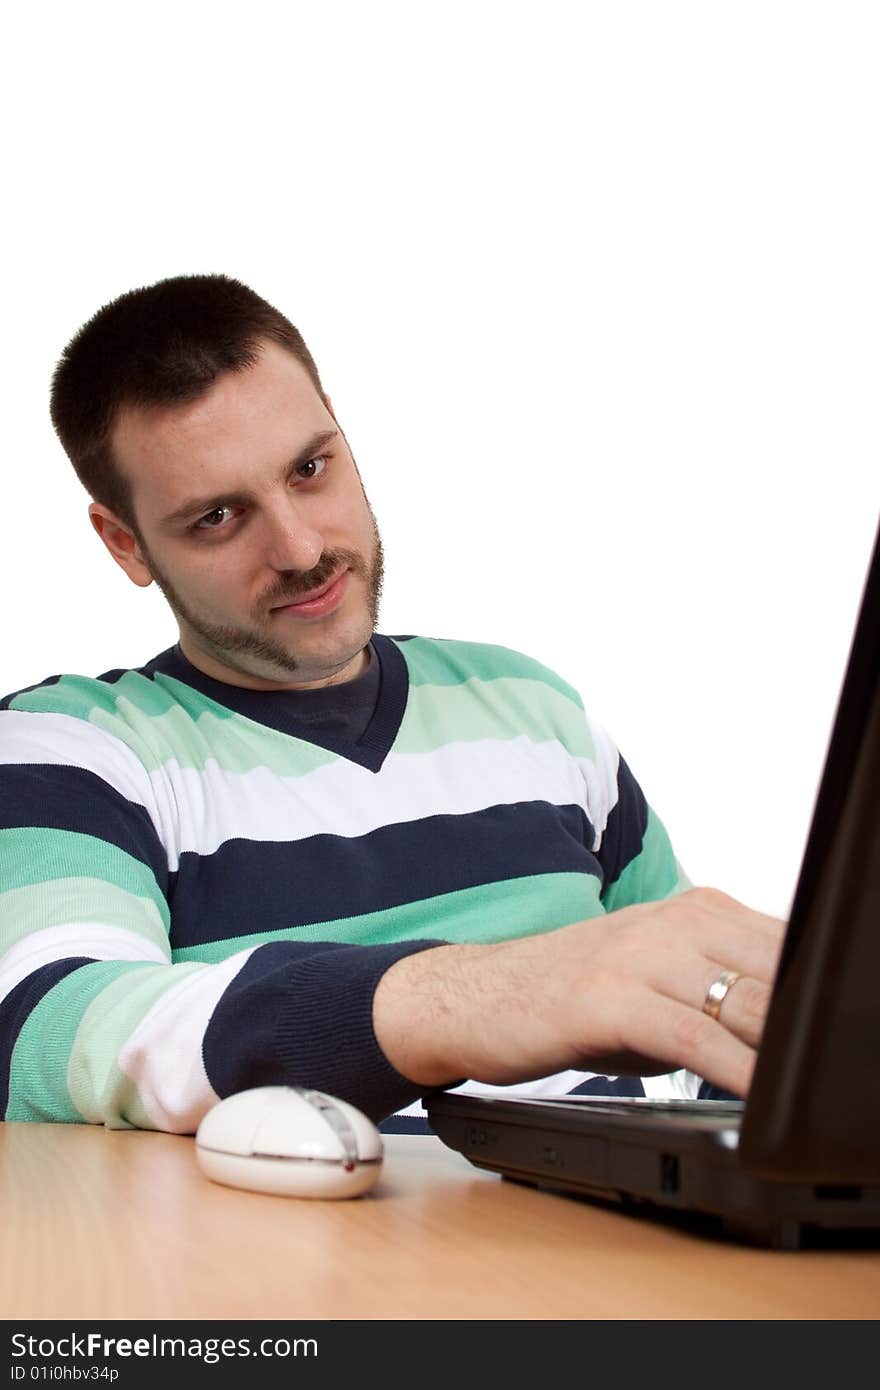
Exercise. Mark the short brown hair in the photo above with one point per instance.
(163, 344)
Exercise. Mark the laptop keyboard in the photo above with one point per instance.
(702, 1109)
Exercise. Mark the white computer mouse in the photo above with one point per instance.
(290, 1141)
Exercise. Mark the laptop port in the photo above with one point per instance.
(668, 1172)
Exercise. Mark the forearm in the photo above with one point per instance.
(469, 1011)
(620, 994)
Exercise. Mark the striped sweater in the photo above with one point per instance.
(201, 885)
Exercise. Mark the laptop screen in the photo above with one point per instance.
(814, 1105)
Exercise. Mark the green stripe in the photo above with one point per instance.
(98, 1087)
(69, 901)
(502, 692)
(500, 709)
(73, 695)
(512, 706)
(653, 874)
(38, 1073)
(682, 882)
(490, 912)
(186, 735)
(34, 855)
(504, 707)
(233, 742)
(442, 661)
(137, 694)
(81, 696)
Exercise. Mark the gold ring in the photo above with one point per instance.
(717, 992)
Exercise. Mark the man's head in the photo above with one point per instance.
(194, 416)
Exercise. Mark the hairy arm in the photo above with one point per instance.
(622, 993)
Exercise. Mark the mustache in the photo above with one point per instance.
(305, 584)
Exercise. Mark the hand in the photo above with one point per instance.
(617, 994)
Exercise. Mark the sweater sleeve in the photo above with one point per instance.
(98, 1024)
(638, 862)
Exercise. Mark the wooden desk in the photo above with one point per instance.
(122, 1225)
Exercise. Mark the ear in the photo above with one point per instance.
(121, 543)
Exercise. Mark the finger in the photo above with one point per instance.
(687, 979)
(743, 1009)
(699, 1043)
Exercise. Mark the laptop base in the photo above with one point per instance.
(770, 1234)
(669, 1164)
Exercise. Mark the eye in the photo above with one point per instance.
(206, 523)
(322, 459)
(217, 518)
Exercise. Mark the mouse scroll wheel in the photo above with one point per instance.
(338, 1123)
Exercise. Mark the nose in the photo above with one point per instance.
(290, 542)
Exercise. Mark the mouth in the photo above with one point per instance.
(319, 600)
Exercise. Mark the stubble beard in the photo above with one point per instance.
(239, 647)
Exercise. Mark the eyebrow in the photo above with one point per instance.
(195, 507)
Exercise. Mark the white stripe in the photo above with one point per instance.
(559, 1084)
(163, 1056)
(674, 1085)
(677, 1085)
(94, 939)
(197, 810)
(67, 741)
(600, 775)
(214, 805)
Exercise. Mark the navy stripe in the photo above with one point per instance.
(609, 1086)
(625, 830)
(17, 1005)
(594, 1086)
(709, 1091)
(251, 886)
(300, 1014)
(115, 676)
(48, 795)
(406, 1124)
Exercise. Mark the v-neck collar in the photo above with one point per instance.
(287, 711)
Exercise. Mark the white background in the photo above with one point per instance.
(594, 289)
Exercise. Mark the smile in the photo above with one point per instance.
(314, 607)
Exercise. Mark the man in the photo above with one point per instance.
(291, 849)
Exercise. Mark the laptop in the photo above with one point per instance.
(798, 1163)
